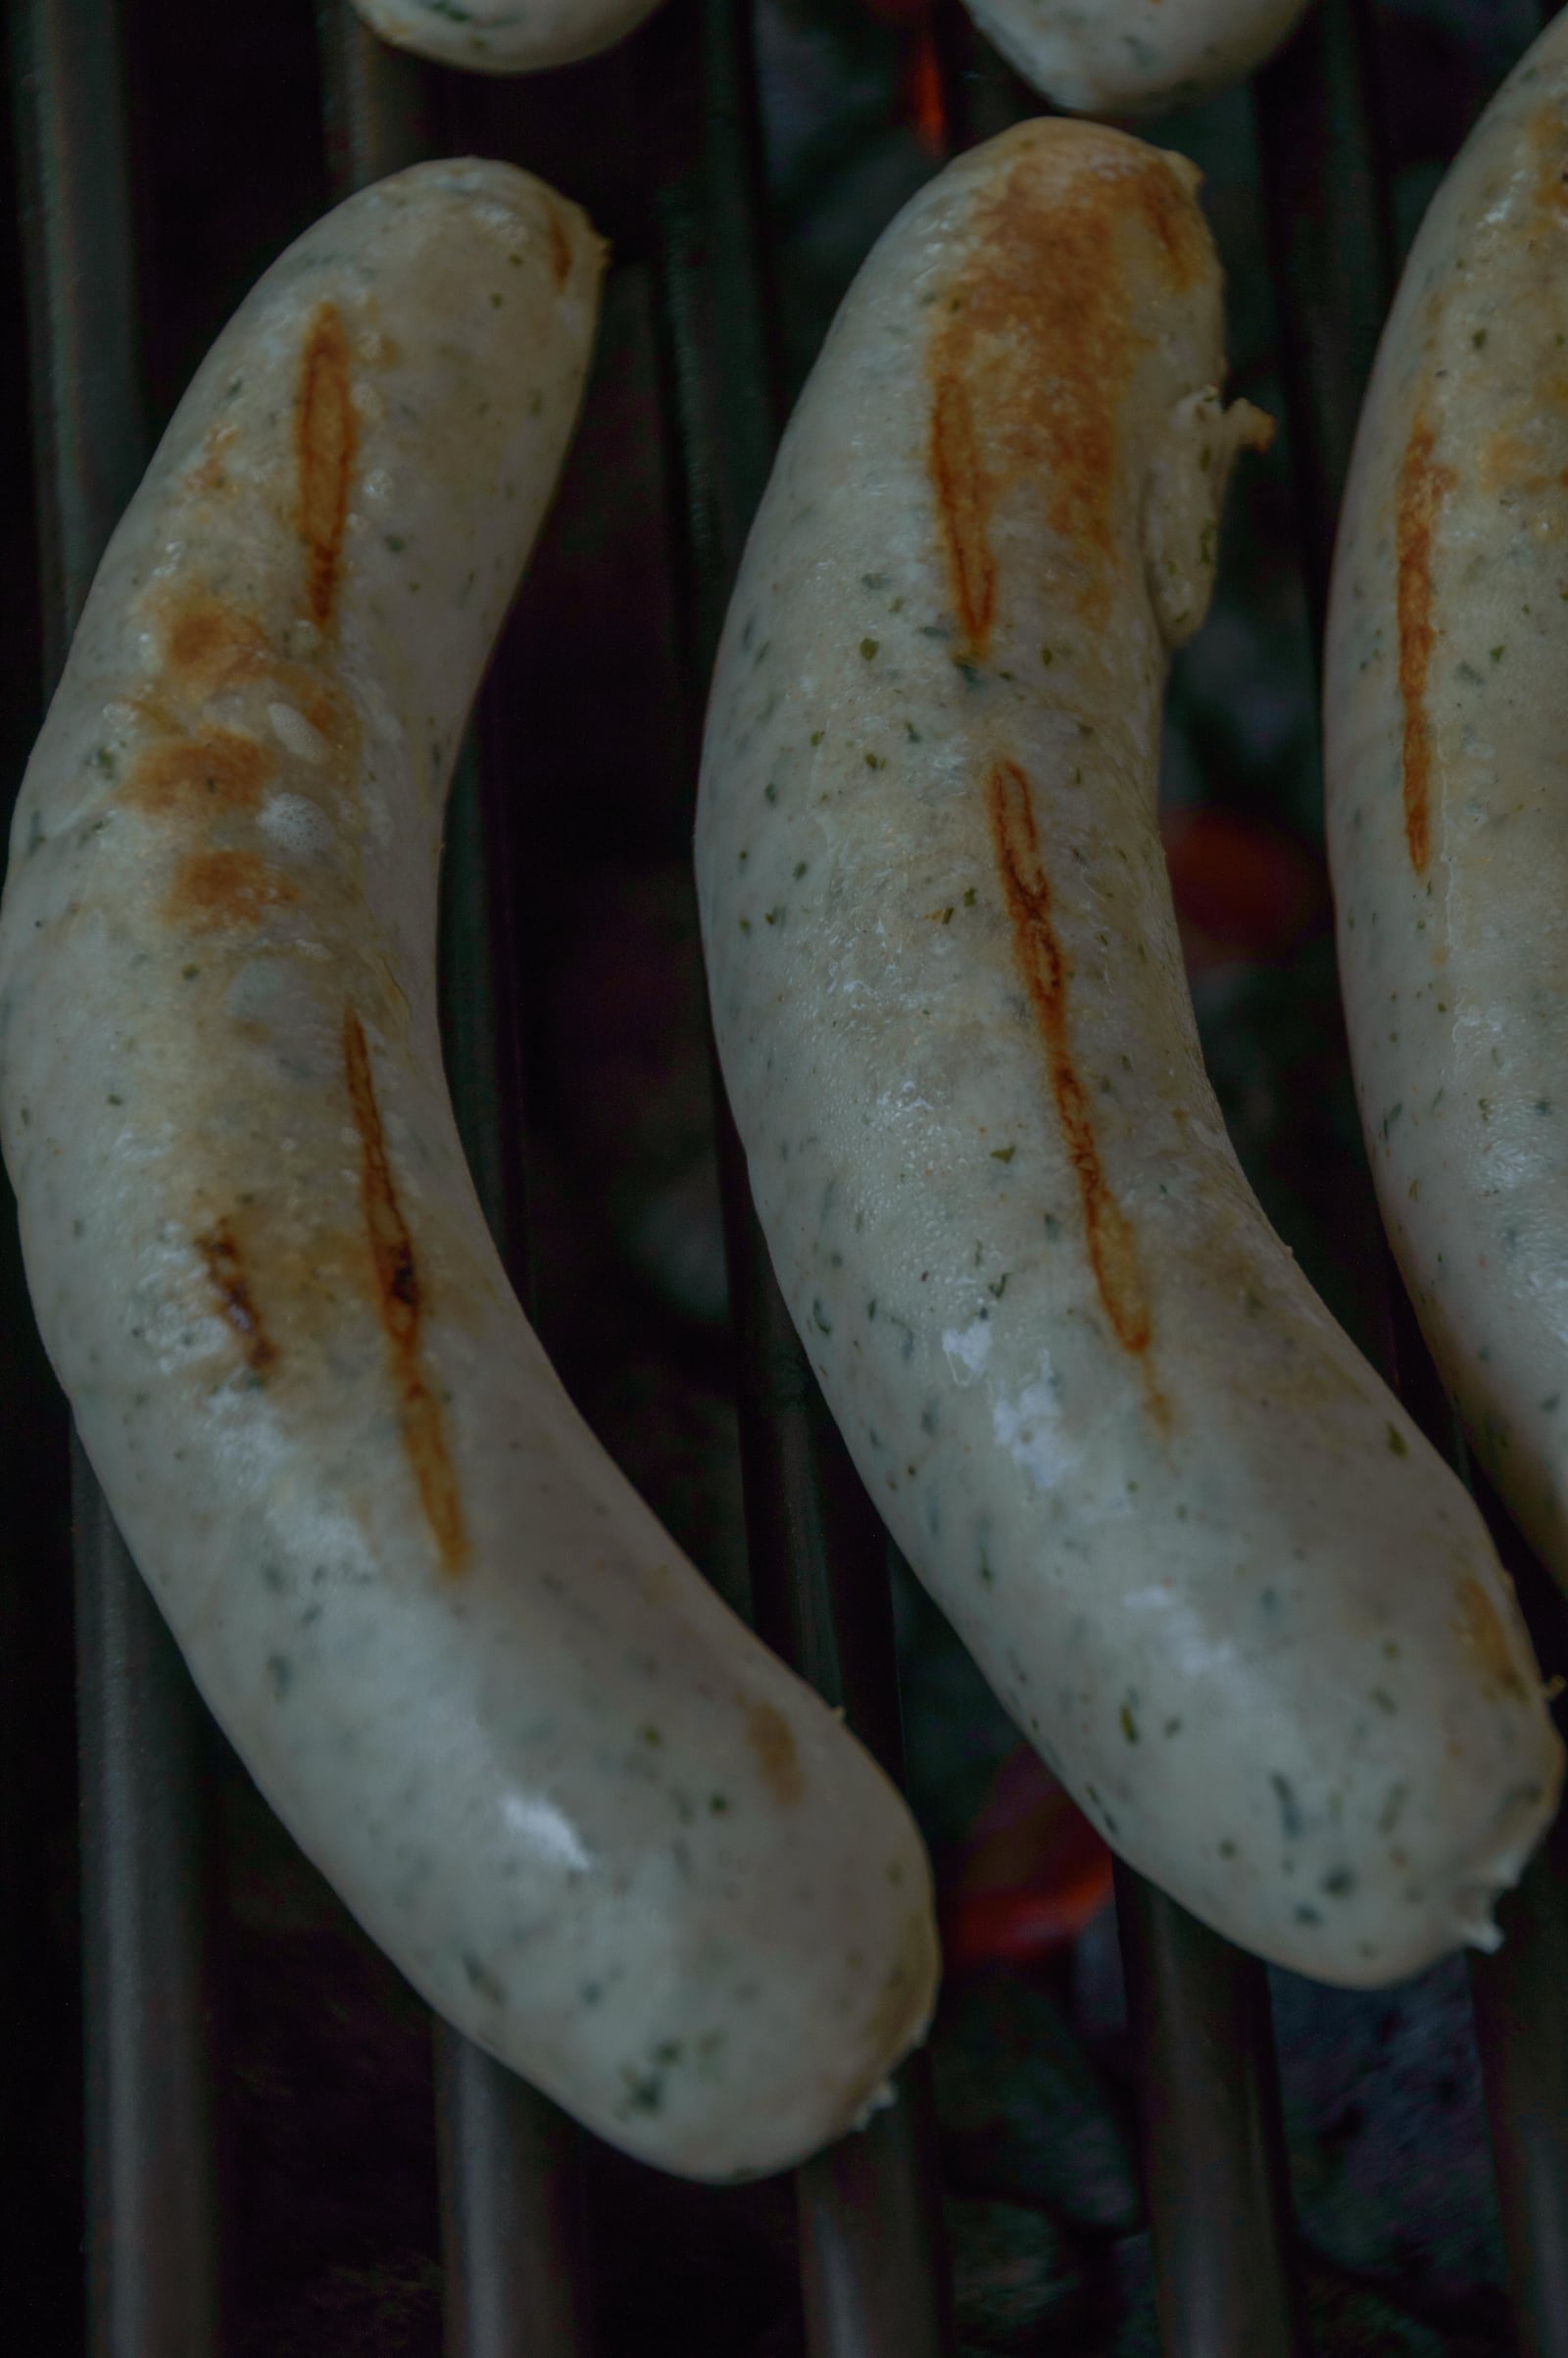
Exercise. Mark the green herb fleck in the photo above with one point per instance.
(1006, 1155)
(868, 648)
(1399, 1447)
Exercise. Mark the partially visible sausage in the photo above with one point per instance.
(1196, 1547)
(1135, 57)
(504, 36)
(1446, 706)
(591, 1818)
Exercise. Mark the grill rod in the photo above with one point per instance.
(515, 2280)
(151, 2150)
(874, 2261)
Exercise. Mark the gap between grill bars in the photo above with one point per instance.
(518, 2272)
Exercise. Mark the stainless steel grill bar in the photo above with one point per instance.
(513, 2222)
(1216, 2171)
(1214, 2149)
(1519, 2006)
(153, 2194)
(1331, 247)
(873, 2251)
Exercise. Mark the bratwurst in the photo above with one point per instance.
(1445, 713)
(586, 1812)
(1197, 1548)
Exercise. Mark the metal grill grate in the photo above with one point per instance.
(686, 197)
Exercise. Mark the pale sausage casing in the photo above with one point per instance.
(1195, 1544)
(504, 36)
(602, 1829)
(1134, 57)
(1445, 709)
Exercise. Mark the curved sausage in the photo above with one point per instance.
(1135, 57)
(592, 1819)
(1199, 1552)
(1445, 709)
(504, 36)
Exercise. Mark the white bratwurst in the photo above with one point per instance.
(594, 1822)
(1134, 57)
(504, 36)
(1197, 1548)
(1446, 716)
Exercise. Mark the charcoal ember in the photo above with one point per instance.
(1023, 2112)
(334, 2235)
(391, 2309)
(630, 1064)
(1132, 2324)
(1346, 2318)
(677, 1440)
(1014, 2273)
(1351, 2320)
(956, 1733)
(1387, 2129)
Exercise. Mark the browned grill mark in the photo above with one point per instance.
(1112, 1247)
(208, 644)
(1423, 488)
(772, 1740)
(1549, 136)
(226, 1269)
(1032, 348)
(1481, 1626)
(560, 251)
(197, 777)
(401, 1304)
(963, 498)
(214, 889)
(325, 436)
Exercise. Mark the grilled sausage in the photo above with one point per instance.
(1134, 57)
(1445, 707)
(1196, 1547)
(592, 1819)
(504, 36)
